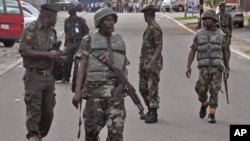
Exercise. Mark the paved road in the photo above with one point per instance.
(178, 113)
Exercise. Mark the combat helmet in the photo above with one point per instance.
(103, 12)
(210, 14)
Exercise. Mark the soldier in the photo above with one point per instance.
(225, 23)
(151, 63)
(36, 40)
(213, 59)
(75, 29)
(100, 108)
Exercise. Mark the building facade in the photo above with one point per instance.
(244, 4)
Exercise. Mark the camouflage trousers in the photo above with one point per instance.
(40, 102)
(228, 41)
(209, 80)
(101, 111)
(149, 87)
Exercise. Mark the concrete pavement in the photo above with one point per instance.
(239, 43)
(5, 67)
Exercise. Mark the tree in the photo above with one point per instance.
(212, 3)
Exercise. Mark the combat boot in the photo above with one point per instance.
(203, 110)
(151, 116)
(34, 138)
(211, 116)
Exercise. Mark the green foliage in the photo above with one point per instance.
(247, 52)
(247, 17)
(53, 1)
(211, 3)
(186, 18)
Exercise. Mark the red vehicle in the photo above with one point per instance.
(11, 21)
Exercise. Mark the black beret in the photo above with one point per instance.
(72, 11)
(149, 7)
(49, 7)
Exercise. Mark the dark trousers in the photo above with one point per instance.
(71, 49)
(40, 101)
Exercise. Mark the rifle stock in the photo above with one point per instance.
(123, 83)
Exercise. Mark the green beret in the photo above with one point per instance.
(49, 7)
(149, 7)
(222, 4)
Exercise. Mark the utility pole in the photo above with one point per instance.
(201, 10)
(186, 8)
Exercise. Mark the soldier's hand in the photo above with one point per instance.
(53, 54)
(149, 67)
(77, 99)
(226, 74)
(188, 72)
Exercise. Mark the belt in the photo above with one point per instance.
(40, 71)
(74, 40)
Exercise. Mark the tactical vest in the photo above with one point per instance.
(209, 50)
(113, 48)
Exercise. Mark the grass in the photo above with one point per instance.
(247, 51)
(247, 17)
(186, 18)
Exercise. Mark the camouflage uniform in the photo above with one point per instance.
(100, 108)
(75, 30)
(38, 79)
(149, 82)
(226, 25)
(209, 46)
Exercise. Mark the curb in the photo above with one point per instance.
(11, 66)
(190, 30)
(14, 64)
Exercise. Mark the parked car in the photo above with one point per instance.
(11, 21)
(176, 5)
(179, 5)
(236, 13)
(28, 18)
(30, 8)
(62, 5)
(66, 4)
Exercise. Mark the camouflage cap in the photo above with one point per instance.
(49, 7)
(149, 7)
(222, 4)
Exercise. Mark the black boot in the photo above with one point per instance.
(151, 116)
(203, 111)
(211, 118)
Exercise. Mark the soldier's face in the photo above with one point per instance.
(53, 19)
(208, 23)
(222, 8)
(148, 15)
(107, 24)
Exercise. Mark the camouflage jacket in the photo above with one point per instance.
(151, 38)
(225, 23)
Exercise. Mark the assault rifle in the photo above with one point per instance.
(124, 83)
(56, 46)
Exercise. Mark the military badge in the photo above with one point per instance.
(51, 38)
(28, 36)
